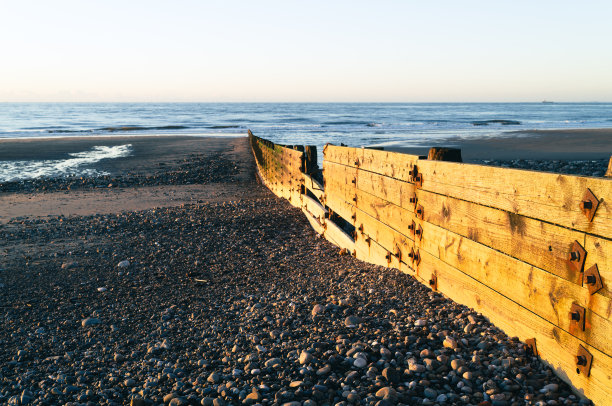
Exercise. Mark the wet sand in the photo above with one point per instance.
(569, 144)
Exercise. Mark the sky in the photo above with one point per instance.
(305, 51)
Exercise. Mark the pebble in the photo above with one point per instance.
(317, 309)
(90, 321)
(305, 357)
(450, 342)
(352, 321)
(360, 362)
(123, 264)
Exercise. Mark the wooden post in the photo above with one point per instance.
(609, 172)
(310, 159)
(444, 154)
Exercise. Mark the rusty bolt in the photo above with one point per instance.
(591, 280)
(581, 360)
(432, 282)
(354, 216)
(360, 227)
(574, 256)
(355, 198)
(388, 256)
(411, 227)
(575, 316)
(418, 232)
(354, 181)
(419, 211)
(586, 205)
(413, 200)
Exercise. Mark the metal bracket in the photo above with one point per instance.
(584, 360)
(416, 177)
(368, 240)
(414, 199)
(433, 282)
(360, 228)
(398, 254)
(577, 256)
(589, 204)
(415, 257)
(577, 318)
(419, 211)
(419, 233)
(412, 227)
(530, 343)
(592, 279)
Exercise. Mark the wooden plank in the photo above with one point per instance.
(314, 223)
(556, 347)
(338, 205)
(392, 164)
(315, 187)
(549, 197)
(389, 189)
(541, 244)
(339, 236)
(314, 207)
(342, 155)
(388, 238)
(541, 292)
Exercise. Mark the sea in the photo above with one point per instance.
(353, 124)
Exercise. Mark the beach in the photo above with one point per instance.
(189, 283)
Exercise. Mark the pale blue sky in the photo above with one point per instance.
(90, 50)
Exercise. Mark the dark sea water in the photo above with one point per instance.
(362, 124)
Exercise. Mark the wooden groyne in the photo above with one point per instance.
(532, 251)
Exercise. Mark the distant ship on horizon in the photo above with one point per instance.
(547, 102)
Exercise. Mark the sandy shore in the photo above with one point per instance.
(147, 151)
(570, 144)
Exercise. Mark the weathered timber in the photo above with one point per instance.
(522, 283)
(338, 236)
(387, 188)
(538, 243)
(315, 187)
(310, 159)
(609, 171)
(314, 223)
(444, 154)
(556, 347)
(391, 164)
(549, 197)
(314, 207)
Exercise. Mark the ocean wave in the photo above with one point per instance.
(76, 165)
(140, 128)
(220, 127)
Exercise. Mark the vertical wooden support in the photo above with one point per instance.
(444, 154)
(310, 159)
(609, 172)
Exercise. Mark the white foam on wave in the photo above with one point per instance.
(74, 166)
